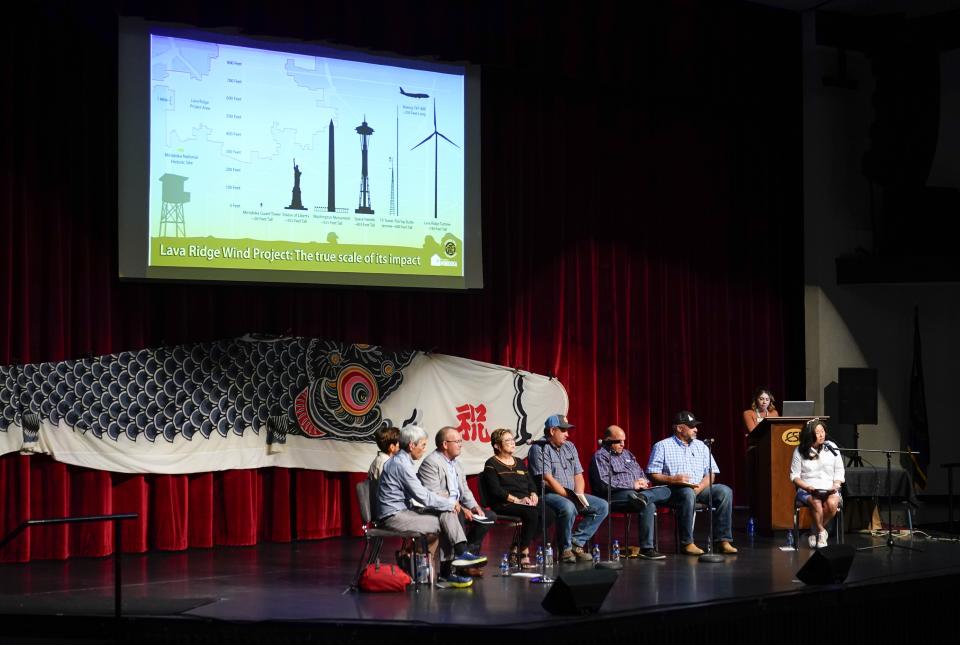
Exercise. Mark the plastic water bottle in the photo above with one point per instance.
(548, 555)
(751, 527)
(422, 568)
(539, 556)
(505, 565)
(615, 556)
(790, 539)
(596, 553)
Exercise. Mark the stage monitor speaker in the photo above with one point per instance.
(828, 565)
(858, 395)
(579, 592)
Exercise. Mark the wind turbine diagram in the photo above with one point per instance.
(435, 135)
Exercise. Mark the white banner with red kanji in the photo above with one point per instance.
(253, 402)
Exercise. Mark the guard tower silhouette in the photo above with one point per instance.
(173, 197)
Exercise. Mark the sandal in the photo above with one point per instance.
(514, 557)
(524, 562)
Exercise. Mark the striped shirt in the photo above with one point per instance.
(453, 485)
(561, 463)
(672, 456)
(618, 471)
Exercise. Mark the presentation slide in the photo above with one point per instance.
(282, 160)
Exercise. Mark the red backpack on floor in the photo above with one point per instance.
(383, 577)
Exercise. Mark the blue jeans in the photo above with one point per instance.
(626, 501)
(566, 512)
(683, 501)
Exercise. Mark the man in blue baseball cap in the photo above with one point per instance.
(558, 463)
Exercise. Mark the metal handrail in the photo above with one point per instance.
(116, 518)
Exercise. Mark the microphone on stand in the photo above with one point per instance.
(609, 563)
(543, 578)
(710, 556)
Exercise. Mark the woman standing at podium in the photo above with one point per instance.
(763, 406)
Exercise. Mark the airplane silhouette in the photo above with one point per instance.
(414, 95)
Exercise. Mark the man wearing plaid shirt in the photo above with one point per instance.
(630, 491)
(683, 462)
(563, 474)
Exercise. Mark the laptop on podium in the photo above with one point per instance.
(797, 408)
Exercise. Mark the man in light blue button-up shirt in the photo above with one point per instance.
(683, 462)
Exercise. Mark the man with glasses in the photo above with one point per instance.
(630, 491)
(563, 475)
(400, 492)
(442, 474)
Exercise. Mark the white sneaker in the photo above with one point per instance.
(822, 539)
(812, 540)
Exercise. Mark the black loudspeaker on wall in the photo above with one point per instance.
(579, 592)
(858, 395)
(828, 565)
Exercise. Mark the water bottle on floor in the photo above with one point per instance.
(615, 554)
(751, 527)
(790, 539)
(596, 553)
(539, 556)
(422, 568)
(548, 555)
(505, 565)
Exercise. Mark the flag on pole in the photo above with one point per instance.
(918, 433)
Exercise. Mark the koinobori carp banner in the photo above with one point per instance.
(253, 402)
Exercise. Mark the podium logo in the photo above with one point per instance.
(791, 436)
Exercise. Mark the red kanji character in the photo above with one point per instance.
(472, 420)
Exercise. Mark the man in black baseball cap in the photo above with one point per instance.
(683, 462)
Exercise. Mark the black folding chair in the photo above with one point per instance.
(373, 536)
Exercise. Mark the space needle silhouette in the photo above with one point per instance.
(364, 131)
(435, 135)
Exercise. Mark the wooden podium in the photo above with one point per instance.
(769, 450)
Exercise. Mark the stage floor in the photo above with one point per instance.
(305, 581)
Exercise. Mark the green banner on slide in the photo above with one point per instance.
(443, 258)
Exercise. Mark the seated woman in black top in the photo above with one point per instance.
(509, 489)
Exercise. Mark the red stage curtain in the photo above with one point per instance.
(177, 512)
(642, 230)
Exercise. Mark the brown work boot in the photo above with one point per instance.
(725, 548)
(633, 552)
(568, 557)
(691, 549)
(581, 555)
